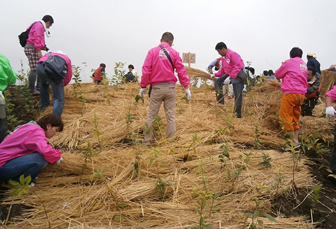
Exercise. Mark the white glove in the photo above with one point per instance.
(58, 162)
(227, 80)
(142, 91)
(213, 77)
(188, 93)
(330, 112)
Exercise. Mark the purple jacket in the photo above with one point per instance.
(293, 73)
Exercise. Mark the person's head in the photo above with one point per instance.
(311, 55)
(295, 52)
(51, 124)
(265, 73)
(102, 65)
(311, 73)
(221, 48)
(130, 67)
(48, 20)
(270, 72)
(168, 38)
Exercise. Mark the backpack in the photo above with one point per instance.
(24, 36)
(55, 68)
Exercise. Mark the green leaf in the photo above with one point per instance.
(22, 179)
(268, 216)
(248, 214)
(256, 214)
(260, 222)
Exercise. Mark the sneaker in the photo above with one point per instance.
(217, 104)
(332, 177)
(34, 92)
(289, 149)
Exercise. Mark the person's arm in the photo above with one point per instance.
(68, 76)
(235, 60)
(36, 36)
(181, 72)
(281, 72)
(212, 64)
(146, 71)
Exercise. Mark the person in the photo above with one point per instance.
(26, 150)
(312, 94)
(158, 72)
(57, 87)
(99, 73)
(7, 76)
(233, 67)
(270, 75)
(227, 82)
(129, 77)
(36, 43)
(293, 73)
(332, 68)
(312, 62)
(330, 97)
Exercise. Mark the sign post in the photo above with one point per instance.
(189, 58)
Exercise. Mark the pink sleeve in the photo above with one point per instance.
(281, 72)
(181, 72)
(37, 141)
(36, 36)
(146, 71)
(68, 76)
(220, 73)
(332, 93)
(237, 65)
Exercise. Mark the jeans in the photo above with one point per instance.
(238, 96)
(308, 106)
(57, 88)
(219, 89)
(332, 164)
(30, 164)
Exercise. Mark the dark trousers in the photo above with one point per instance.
(332, 165)
(308, 106)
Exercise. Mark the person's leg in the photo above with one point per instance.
(44, 87)
(32, 56)
(332, 164)
(238, 93)
(58, 97)
(169, 106)
(298, 101)
(156, 99)
(219, 90)
(28, 165)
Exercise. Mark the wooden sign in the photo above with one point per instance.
(189, 58)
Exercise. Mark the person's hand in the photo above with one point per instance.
(39, 54)
(59, 161)
(330, 112)
(188, 93)
(213, 77)
(142, 92)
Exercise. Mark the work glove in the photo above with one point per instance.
(213, 77)
(330, 112)
(59, 162)
(142, 92)
(188, 93)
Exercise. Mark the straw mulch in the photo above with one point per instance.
(328, 79)
(159, 186)
(193, 72)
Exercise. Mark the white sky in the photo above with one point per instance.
(261, 31)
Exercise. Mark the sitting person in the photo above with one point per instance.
(313, 92)
(129, 77)
(26, 151)
(99, 74)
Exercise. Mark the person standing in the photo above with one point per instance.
(158, 72)
(313, 92)
(56, 86)
(99, 74)
(293, 73)
(233, 67)
(312, 62)
(130, 77)
(330, 97)
(36, 43)
(7, 76)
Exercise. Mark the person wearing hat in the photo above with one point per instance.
(312, 62)
(7, 76)
(36, 43)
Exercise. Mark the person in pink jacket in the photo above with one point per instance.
(36, 43)
(26, 150)
(57, 87)
(158, 72)
(294, 84)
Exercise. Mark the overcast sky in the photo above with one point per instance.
(261, 31)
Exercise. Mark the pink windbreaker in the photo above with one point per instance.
(293, 73)
(36, 36)
(68, 76)
(27, 139)
(332, 93)
(158, 69)
(232, 63)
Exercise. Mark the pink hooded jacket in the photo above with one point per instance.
(232, 64)
(36, 36)
(68, 76)
(158, 69)
(27, 139)
(293, 73)
(332, 93)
